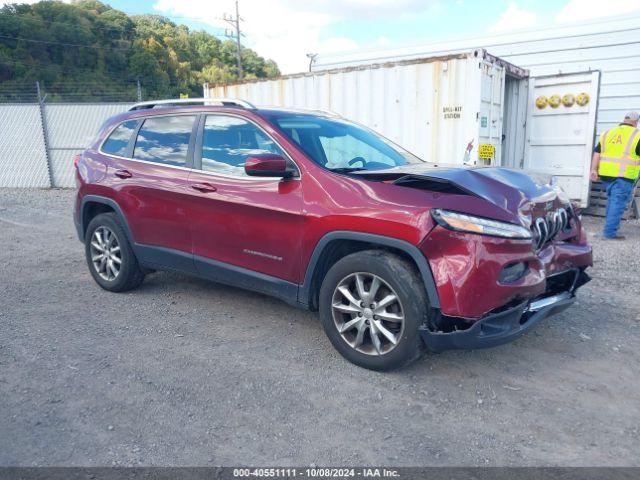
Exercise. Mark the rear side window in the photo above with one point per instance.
(164, 140)
(118, 141)
(228, 141)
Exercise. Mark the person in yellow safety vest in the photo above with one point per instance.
(616, 161)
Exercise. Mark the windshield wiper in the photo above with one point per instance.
(347, 169)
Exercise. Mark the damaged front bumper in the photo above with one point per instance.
(508, 324)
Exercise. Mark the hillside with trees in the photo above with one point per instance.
(87, 51)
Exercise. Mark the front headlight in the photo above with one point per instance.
(463, 222)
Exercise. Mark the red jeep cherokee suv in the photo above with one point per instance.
(396, 255)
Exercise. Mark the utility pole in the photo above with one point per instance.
(234, 21)
(139, 91)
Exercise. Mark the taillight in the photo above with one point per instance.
(76, 159)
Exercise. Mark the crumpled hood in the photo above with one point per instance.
(518, 193)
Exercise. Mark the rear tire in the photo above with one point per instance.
(371, 294)
(110, 257)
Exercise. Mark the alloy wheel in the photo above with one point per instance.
(367, 313)
(105, 252)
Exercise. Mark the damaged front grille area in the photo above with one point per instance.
(546, 228)
(569, 280)
(559, 286)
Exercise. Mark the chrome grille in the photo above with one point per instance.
(546, 228)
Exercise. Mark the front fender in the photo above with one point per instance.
(305, 290)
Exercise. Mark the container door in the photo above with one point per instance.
(560, 132)
(516, 92)
(490, 115)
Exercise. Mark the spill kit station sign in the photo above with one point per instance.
(452, 111)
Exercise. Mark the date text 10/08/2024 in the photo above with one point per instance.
(316, 472)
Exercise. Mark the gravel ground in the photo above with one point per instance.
(188, 372)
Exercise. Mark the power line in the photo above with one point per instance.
(129, 93)
(33, 40)
(40, 66)
(90, 29)
(235, 22)
(116, 79)
(33, 65)
(77, 45)
(46, 63)
(66, 84)
(198, 19)
(106, 29)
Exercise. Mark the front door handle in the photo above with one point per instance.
(123, 174)
(204, 187)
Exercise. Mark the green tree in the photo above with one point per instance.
(218, 74)
(87, 50)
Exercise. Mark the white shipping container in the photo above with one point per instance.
(610, 45)
(465, 108)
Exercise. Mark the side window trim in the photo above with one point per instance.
(194, 152)
(132, 141)
(188, 165)
(192, 142)
(128, 154)
(197, 157)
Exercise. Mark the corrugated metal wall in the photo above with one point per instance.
(69, 128)
(609, 45)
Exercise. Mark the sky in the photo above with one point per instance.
(287, 30)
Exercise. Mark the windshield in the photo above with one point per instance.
(340, 145)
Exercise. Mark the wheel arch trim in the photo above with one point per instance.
(82, 227)
(304, 292)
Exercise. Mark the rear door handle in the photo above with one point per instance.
(123, 174)
(204, 187)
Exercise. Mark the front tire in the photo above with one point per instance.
(372, 304)
(110, 258)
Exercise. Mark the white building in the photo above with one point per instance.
(611, 46)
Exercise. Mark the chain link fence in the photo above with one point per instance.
(23, 157)
(41, 131)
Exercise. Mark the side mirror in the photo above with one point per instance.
(267, 165)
